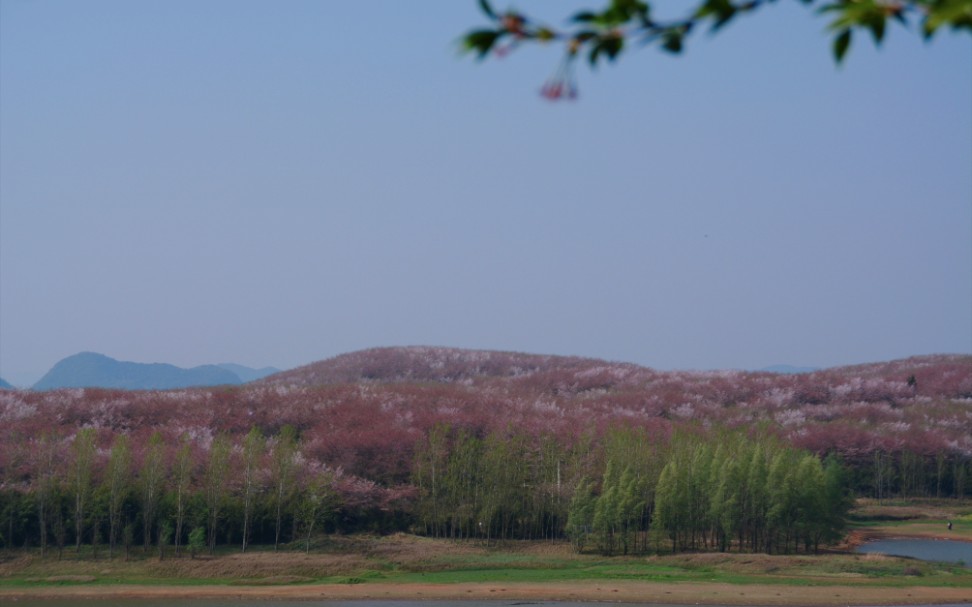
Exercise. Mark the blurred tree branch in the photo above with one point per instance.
(604, 35)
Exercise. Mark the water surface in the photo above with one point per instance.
(948, 551)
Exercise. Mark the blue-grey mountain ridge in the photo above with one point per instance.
(93, 370)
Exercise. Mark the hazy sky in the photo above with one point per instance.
(274, 183)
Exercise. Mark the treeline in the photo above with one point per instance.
(178, 497)
(620, 490)
(687, 492)
(888, 473)
(756, 495)
(501, 486)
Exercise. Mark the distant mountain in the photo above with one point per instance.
(788, 369)
(5, 386)
(92, 370)
(248, 374)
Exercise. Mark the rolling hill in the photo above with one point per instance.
(367, 413)
(425, 364)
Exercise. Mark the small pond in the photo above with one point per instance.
(949, 551)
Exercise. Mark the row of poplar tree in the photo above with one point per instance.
(624, 491)
(632, 493)
(177, 496)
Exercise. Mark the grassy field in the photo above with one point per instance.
(912, 518)
(408, 566)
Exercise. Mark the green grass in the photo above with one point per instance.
(823, 570)
(807, 571)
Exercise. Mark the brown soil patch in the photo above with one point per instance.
(276, 580)
(264, 565)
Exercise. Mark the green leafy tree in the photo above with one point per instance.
(755, 497)
(13, 501)
(634, 453)
(82, 464)
(151, 481)
(128, 539)
(700, 493)
(724, 509)
(316, 503)
(61, 505)
(607, 511)
(629, 508)
(254, 445)
(669, 503)
(430, 467)
(197, 541)
(580, 517)
(461, 483)
(46, 485)
(117, 483)
(181, 479)
(505, 484)
(837, 503)
(782, 491)
(811, 504)
(283, 465)
(603, 35)
(216, 485)
(165, 538)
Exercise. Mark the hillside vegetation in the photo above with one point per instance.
(484, 445)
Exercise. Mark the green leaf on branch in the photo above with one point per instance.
(480, 41)
(841, 44)
(613, 46)
(672, 42)
(486, 8)
(956, 13)
(721, 11)
(603, 34)
(876, 25)
(610, 45)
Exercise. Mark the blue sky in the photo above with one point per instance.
(276, 183)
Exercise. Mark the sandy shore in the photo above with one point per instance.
(643, 592)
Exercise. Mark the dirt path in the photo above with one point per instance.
(687, 593)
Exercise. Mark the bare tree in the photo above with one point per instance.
(47, 482)
(117, 480)
(283, 464)
(254, 446)
(82, 462)
(151, 482)
(216, 470)
(181, 478)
